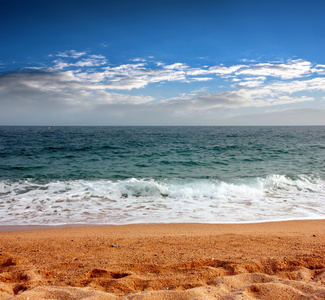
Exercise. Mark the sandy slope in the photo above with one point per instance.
(281, 260)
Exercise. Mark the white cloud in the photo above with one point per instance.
(249, 84)
(129, 76)
(80, 82)
(201, 78)
(262, 78)
(138, 59)
(293, 69)
(71, 53)
(126, 68)
(315, 84)
(90, 62)
(225, 70)
(94, 77)
(197, 71)
(252, 94)
(138, 74)
(319, 69)
(63, 89)
(230, 100)
(107, 98)
(176, 66)
(126, 83)
(218, 70)
(97, 56)
(59, 64)
(247, 60)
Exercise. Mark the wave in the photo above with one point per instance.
(138, 200)
(174, 188)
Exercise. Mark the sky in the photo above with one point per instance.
(227, 62)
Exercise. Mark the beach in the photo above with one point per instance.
(273, 260)
(162, 213)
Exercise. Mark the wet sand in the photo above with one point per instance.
(277, 260)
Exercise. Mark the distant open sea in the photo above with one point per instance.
(124, 175)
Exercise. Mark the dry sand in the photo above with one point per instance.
(280, 260)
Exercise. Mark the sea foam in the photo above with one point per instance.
(145, 200)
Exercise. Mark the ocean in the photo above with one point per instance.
(127, 175)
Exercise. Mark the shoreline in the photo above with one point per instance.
(282, 260)
(256, 225)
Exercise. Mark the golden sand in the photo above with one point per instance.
(278, 260)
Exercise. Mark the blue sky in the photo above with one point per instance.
(162, 62)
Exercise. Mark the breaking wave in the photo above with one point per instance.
(145, 200)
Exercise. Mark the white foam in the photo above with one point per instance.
(275, 197)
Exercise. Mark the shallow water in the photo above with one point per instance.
(121, 175)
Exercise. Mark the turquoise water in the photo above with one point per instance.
(119, 175)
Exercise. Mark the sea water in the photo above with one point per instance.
(123, 175)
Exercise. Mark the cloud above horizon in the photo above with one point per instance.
(82, 82)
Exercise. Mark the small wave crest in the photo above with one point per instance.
(173, 188)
